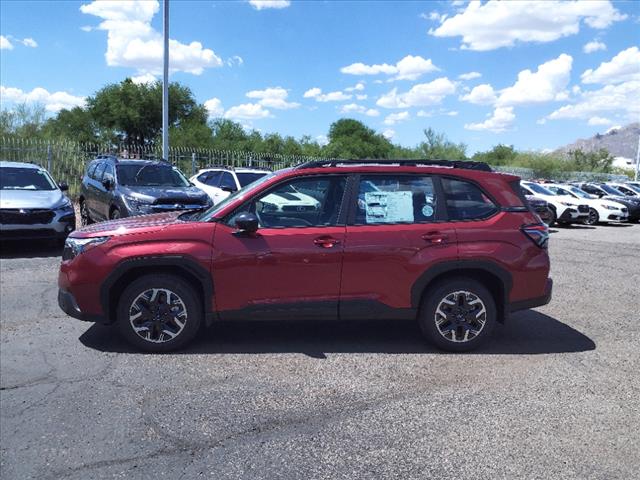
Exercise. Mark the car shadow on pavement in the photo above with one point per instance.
(528, 332)
(30, 249)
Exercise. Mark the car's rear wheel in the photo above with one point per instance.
(458, 314)
(159, 313)
(85, 218)
(593, 217)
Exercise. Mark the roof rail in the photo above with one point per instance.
(465, 164)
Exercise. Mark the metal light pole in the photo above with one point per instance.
(165, 84)
(637, 160)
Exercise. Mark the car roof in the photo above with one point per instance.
(234, 169)
(6, 164)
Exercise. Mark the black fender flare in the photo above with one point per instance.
(459, 265)
(181, 262)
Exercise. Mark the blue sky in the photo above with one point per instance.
(536, 75)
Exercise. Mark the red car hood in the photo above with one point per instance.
(123, 226)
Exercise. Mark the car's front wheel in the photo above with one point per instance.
(458, 314)
(593, 217)
(159, 313)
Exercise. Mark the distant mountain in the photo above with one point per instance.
(619, 141)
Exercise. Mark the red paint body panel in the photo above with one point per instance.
(327, 265)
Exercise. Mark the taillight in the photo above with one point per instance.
(538, 233)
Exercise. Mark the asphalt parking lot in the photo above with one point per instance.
(554, 395)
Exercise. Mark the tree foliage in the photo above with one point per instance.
(436, 146)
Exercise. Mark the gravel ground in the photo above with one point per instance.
(554, 395)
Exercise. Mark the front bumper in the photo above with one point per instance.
(572, 215)
(69, 305)
(533, 302)
(62, 224)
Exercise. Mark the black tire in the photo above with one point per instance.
(85, 218)
(553, 217)
(114, 214)
(593, 217)
(181, 289)
(443, 290)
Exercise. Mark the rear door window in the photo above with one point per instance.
(210, 178)
(392, 199)
(465, 201)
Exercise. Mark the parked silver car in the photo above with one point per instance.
(32, 205)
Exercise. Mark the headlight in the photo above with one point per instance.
(609, 207)
(64, 205)
(136, 203)
(568, 204)
(75, 246)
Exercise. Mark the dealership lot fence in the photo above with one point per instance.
(67, 160)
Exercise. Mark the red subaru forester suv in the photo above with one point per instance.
(451, 244)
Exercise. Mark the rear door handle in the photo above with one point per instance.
(326, 242)
(435, 238)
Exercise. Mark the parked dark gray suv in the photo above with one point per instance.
(113, 188)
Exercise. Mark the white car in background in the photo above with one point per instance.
(628, 189)
(565, 208)
(220, 182)
(600, 210)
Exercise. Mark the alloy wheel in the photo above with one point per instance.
(158, 315)
(460, 316)
(593, 217)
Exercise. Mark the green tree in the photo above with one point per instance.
(350, 138)
(437, 146)
(498, 155)
(134, 111)
(75, 124)
(597, 161)
(24, 121)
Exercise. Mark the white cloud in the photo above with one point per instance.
(357, 87)
(619, 100)
(53, 102)
(480, 95)
(433, 113)
(625, 66)
(133, 42)
(593, 46)
(394, 118)
(599, 121)
(86, 28)
(322, 140)
(546, 84)
(501, 120)
(469, 76)
(264, 4)
(363, 96)
(247, 111)
(275, 97)
(409, 68)
(355, 108)
(214, 107)
(5, 44)
(145, 78)
(389, 133)
(29, 42)
(497, 24)
(422, 94)
(235, 60)
(316, 93)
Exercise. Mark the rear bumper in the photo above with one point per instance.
(69, 305)
(533, 302)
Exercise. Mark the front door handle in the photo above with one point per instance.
(326, 242)
(435, 238)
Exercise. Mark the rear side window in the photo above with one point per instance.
(389, 199)
(465, 201)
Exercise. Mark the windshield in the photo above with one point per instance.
(580, 193)
(539, 189)
(246, 178)
(633, 187)
(611, 191)
(240, 194)
(151, 175)
(16, 178)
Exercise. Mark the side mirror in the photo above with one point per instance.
(228, 189)
(63, 186)
(107, 184)
(247, 223)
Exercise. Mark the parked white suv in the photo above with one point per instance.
(220, 182)
(628, 189)
(566, 209)
(600, 210)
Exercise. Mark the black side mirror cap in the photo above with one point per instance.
(228, 189)
(107, 184)
(63, 186)
(247, 223)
